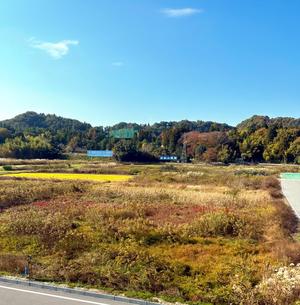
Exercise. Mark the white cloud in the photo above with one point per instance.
(117, 63)
(55, 49)
(181, 12)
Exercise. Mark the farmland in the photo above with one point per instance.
(63, 176)
(178, 232)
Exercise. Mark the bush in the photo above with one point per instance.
(226, 224)
(127, 152)
(287, 218)
(7, 167)
(281, 287)
(271, 183)
(216, 224)
(12, 263)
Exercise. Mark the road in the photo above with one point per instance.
(291, 190)
(16, 294)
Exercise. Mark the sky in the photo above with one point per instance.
(104, 61)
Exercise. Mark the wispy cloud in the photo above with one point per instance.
(181, 12)
(118, 63)
(55, 49)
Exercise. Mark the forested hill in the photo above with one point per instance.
(257, 122)
(34, 122)
(257, 139)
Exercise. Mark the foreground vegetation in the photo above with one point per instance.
(190, 233)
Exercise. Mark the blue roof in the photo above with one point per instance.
(100, 153)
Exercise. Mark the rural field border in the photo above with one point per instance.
(80, 292)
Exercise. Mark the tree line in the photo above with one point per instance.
(257, 139)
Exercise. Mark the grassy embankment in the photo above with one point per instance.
(189, 233)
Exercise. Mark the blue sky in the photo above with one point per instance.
(105, 61)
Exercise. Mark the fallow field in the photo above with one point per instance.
(192, 233)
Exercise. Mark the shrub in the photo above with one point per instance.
(281, 287)
(216, 224)
(271, 182)
(168, 168)
(226, 224)
(287, 218)
(7, 167)
(12, 263)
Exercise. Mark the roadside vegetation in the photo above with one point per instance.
(189, 233)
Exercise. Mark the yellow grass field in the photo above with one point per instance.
(67, 176)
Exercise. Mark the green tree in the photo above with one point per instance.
(4, 134)
(276, 151)
(253, 145)
(293, 153)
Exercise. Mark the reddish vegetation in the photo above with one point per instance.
(208, 139)
(176, 214)
(40, 204)
(159, 215)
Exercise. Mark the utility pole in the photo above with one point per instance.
(184, 153)
(29, 266)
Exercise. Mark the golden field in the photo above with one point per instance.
(70, 176)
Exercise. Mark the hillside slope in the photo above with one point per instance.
(257, 139)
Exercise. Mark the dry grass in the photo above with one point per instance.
(182, 233)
